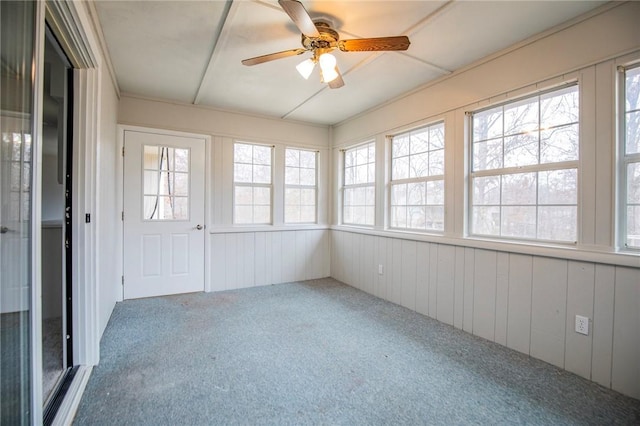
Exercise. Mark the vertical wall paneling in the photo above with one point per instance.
(548, 314)
(300, 255)
(218, 249)
(603, 324)
(422, 278)
(394, 286)
(278, 257)
(458, 295)
(469, 264)
(230, 261)
(433, 280)
(625, 374)
(502, 298)
(367, 268)
(580, 288)
(248, 267)
(260, 276)
(409, 271)
(445, 283)
(484, 295)
(519, 305)
(381, 259)
(288, 256)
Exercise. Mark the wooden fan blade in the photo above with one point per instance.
(337, 82)
(300, 17)
(374, 44)
(273, 56)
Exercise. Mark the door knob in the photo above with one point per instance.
(3, 229)
(199, 227)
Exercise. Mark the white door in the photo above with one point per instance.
(163, 214)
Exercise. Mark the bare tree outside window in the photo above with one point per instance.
(358, 192)
(417, 179)
(631, 158)
(525, 168)
(252, 183)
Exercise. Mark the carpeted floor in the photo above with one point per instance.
(51, 355)
(320, 352)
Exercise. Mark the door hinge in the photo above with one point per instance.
(123, 151)
(122, 214)
(123, 280)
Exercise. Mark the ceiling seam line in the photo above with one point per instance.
(207, 70)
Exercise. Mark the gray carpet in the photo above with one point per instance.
(51, 355)
(320, 352)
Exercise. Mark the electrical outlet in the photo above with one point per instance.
(582, 325)
(380, 269)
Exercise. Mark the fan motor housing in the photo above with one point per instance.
(328, 37)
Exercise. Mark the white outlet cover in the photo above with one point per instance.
(582, 325)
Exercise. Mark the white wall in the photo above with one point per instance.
(523, 296)
(107, 217)
(245, 256)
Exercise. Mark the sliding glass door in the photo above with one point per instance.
(18, 19)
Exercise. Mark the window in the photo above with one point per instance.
(524, 168)
(300, 180)
(358, 192)
(166, 183)
(630, 157)
(252, 183)
(417, 179)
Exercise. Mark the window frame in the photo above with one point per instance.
(252, 184)
(314, 187)
(345, 186)
(423, 179)
(624, 159)
(522, 169)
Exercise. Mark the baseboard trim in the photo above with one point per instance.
(69, 405)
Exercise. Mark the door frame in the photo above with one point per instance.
(208, 175)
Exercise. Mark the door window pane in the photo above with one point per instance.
(165, 189)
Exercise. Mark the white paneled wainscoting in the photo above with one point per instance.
(249, 259)
(526, 302)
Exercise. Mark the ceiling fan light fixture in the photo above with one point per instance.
(305, 68)
(328, 67)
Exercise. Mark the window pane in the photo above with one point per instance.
(521, 150)
(436, 162)
(151, 157)
(521, 116)
(434, 218)
(400, 168)
(519, 221)
(242, 173)
(633, 183)
(150, 182)
(559, 144)
(180, 208)
(633, 133)
(557, 223)
(362, 174)
(292, 176)
(292, 213)
(261, 174)
(419, 142)
(261, 214)
(262, 196)
(400, 146)
(633, 226)
(242, 153)
(308, 197)
(292, 196)
(398, 217)
(359, 169)
(486, 220)
(559, 107)
(166, 183)
(347, 214)
(292, 157)
(349, 176)
(419, 165)
(487, 155)
(486, 190)
(398, 195)
(416, 194)
(308, 214)
(181, 160)
(416, 217)
(487, 124)
(349, 158)
(243, 214)
(519, 189)
(150, 207)
(435, 192)
(436, 136)
(307, 177)
(558, 187)
(243, 195)
(181, 181)
(308, 159)
(632, 84)
(262, 155)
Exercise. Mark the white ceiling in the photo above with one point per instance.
(190, 51)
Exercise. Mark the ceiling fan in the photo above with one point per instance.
(319, 38)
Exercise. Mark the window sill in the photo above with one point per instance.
(572, 252)
(266, 228)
